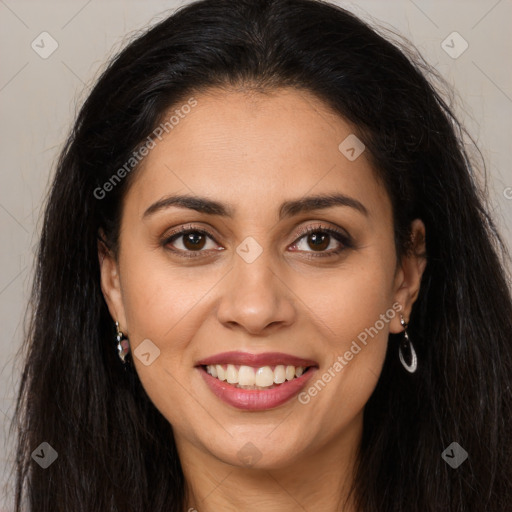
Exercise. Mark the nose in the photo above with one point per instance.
(255, 297)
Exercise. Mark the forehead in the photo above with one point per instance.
(255, 150)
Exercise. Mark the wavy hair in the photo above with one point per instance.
(116, 451)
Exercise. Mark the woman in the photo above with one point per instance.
(266, 279)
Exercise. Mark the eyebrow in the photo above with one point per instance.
(287, 209)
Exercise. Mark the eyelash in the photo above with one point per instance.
(338, 235)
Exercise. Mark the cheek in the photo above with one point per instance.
(349, 299)
(352, 309)
(159, 296)
(161, 304)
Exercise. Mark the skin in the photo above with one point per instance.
(253, 152)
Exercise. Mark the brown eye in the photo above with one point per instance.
(194, 241)
(189, 241)
(324, 241)
(318, 241)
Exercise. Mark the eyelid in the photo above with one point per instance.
(300, 232)
(340, 235)
(183, 230)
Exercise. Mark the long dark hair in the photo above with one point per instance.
(116, 451)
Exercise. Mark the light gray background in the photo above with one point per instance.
(39, 99)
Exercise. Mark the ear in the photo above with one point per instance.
(409, 274)
(110, 282)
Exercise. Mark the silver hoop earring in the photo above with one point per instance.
(407, 347)
(123, 345)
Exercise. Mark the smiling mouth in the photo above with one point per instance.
(257, 378)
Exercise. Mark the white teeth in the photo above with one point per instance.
(279, 374)
(252, 378)
(231, 374)
(221, 374)
(246, 376)
(264, 377)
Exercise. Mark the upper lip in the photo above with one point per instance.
(256, 360)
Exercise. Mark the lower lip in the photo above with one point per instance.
(256, 399)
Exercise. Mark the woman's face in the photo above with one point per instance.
(256, 291)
